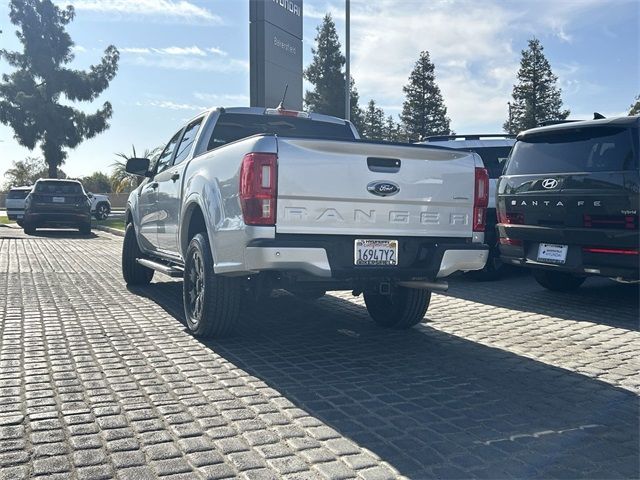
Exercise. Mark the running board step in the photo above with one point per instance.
(161, 267)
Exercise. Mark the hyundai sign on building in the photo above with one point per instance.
(276, 52)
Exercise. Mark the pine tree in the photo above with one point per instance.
(635, 108)
(392, 130)
(35, 98)
(373, 128)
(536, 97)
(327, 76)
(423, 111)
(357, 114)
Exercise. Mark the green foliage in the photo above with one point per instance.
(328, 79)
(35, 97)
(97, 182)
(635, 108)
(374, 126)
(121, 180)
(26, 172)
(357, 114)
(536, 97)
(423, 111)
(393, 131)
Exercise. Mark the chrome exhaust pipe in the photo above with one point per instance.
(419, 284)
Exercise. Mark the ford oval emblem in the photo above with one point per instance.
(383, 189)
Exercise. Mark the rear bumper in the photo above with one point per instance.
(15, 214)
(331, 257)
(58, 218)
(578, 261)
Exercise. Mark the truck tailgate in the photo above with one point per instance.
(324, 188)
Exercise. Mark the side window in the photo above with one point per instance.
(187, 141)
(165, 157)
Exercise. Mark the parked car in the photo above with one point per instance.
(100, 206)
(245, 200)
(568, 202)
(57, 203)
(14, 203)
(494, 150)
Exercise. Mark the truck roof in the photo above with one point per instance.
(262, 111)
(613, 121)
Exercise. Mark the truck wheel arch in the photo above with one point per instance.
(192, 224)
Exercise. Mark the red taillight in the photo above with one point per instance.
(511, 218)
(510, 241)
(480, 199)
(258, 182)
(616, 251)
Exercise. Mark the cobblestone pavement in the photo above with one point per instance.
(503, 380)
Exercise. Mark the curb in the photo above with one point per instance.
(112, 231)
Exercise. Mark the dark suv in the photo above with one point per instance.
(568, 202)
(57, 203)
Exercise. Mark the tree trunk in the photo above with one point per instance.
(53, 170)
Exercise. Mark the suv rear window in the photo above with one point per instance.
(18, 194)
(590, 149)
(493, 158)
(72, 188)
(235, 126)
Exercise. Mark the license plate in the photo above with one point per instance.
(376, 252)
(20, 216)
(58, 199)
(552, 253)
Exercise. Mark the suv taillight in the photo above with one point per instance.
(258, 192)
(480, 199)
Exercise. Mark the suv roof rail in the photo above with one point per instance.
(475, 136)
(546, 123)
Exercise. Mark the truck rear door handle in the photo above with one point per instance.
(175, 176)
(384, 165)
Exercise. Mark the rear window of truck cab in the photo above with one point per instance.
(59, 188)
(231, 127)
(588, 149)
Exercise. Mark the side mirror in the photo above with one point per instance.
(138, 166)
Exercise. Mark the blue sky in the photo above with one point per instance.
(180, 56)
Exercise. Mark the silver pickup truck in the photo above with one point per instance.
(243, 201)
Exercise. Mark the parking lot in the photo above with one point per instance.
(502, 380)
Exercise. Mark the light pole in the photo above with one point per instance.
(347, 84)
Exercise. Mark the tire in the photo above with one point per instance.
(309, 294)
(85, 229)
(403, 308)
(29, 228)
(557, 281)
(211, 302)
(132, 272)
(102, 211)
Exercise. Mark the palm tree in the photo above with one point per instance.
(123, 181)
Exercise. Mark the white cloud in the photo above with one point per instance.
(224, 100)
(174, 62)
(182, 51)
(78, 49)
(169, 105)
(168, 10)
(217, 51)
(184, 58)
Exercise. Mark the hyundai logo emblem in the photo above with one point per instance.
(549, 183)
(383, 189)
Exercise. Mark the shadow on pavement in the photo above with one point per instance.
(523, 293)
(431, 404)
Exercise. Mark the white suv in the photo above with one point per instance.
(15, 203)
(100, 206)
